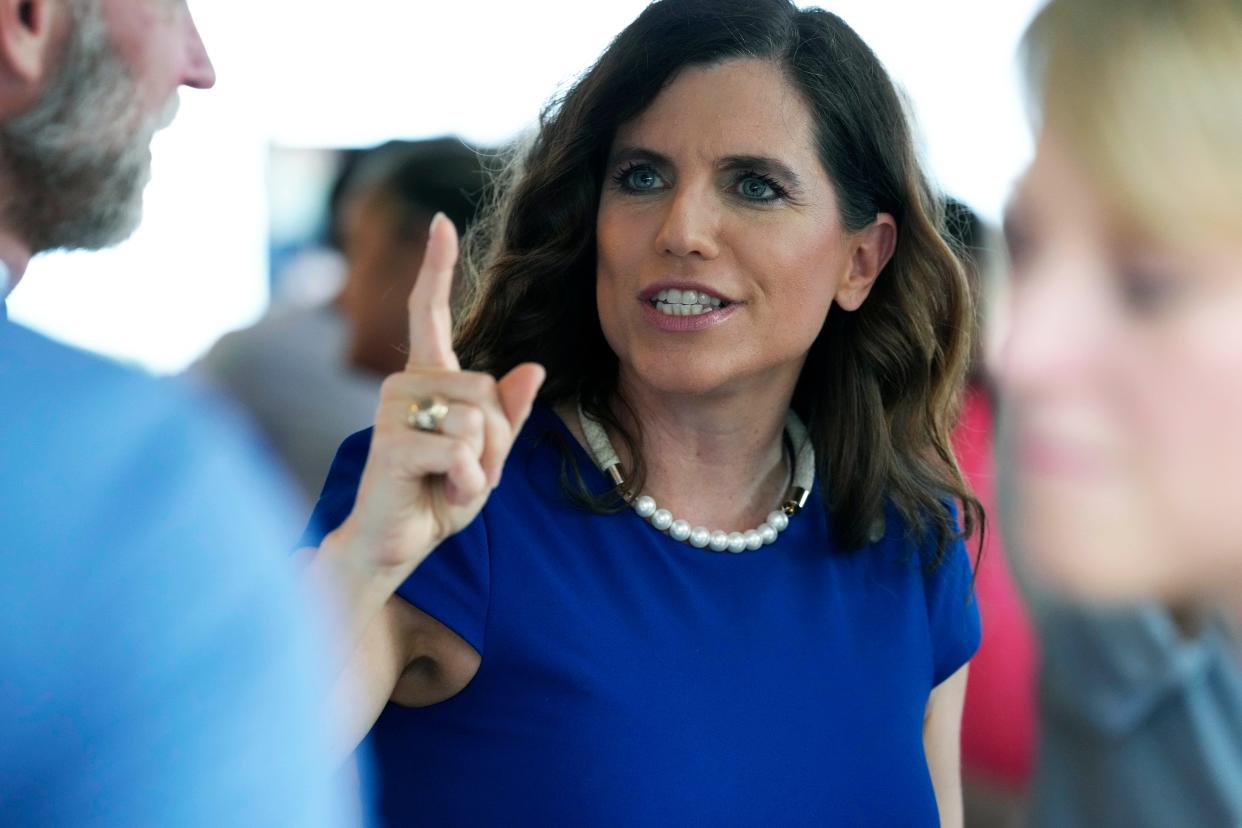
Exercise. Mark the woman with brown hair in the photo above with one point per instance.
(722, 579)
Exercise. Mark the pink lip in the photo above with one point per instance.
(703, 321)
(681, 324)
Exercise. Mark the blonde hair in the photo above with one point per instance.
(1148, 95)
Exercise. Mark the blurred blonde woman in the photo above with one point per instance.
(1123, 371)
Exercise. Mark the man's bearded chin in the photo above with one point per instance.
(75, 165)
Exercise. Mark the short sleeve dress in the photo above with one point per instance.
(628, 679)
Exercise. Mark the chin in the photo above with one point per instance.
(674, 376)
(1107, 556)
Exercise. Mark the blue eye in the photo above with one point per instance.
(757, 189)
(643, 180)
(640, 178)
(755, 186)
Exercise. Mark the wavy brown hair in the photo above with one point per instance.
(880, 387)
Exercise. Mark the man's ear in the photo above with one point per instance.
(29, 33)
(872, 248)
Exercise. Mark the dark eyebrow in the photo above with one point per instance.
(763, 164)
(625, 154)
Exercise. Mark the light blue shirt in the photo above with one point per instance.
(156, 665)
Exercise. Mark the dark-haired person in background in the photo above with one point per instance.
(724, 252)
(386, 208)
(339, 352)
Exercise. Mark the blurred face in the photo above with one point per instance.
(81, 156)
(720, 247)
(382, 255)
(1124, 368)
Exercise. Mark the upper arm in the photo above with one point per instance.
(424, 645)
(942, 726)
(405, 656)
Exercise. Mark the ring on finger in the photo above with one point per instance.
(427, 414)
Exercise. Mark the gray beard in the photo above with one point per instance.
(75, 164)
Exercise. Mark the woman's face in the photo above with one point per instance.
(1124, 367)
(720, 247)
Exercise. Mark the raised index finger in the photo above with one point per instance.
(431, 321)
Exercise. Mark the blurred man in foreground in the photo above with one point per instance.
(157, 668)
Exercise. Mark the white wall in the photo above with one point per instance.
(318, 73)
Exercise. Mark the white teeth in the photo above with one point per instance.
(677, 302)
(669, 309)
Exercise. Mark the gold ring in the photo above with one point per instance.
(427, 414)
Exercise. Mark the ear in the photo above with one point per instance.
(29, 34)
(872, 248)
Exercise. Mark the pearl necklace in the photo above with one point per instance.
(701, 537)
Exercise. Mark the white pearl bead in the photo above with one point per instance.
(779, 521)
(662, 519)
(719, 541)
(753, 540)
(645, 506)
(700, 536)
(768, 533)
(680, 530)
(737, 542)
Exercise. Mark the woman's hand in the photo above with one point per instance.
(419, 487)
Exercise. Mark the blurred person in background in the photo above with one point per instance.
(999, 717)
(722, 247)
(1123, 379)
(388, 205)
(339, 352)
(158, 665)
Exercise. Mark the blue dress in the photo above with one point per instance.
(628, 679)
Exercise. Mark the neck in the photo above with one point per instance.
(713, 460)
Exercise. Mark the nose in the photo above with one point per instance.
(199, 73)
(691, 225)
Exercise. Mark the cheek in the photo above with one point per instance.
(799, 273)
(620, 250)
(1190, 415)
(621, 237)
(154, 59)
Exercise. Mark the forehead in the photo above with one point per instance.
(1054, 193)
(739, 106)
